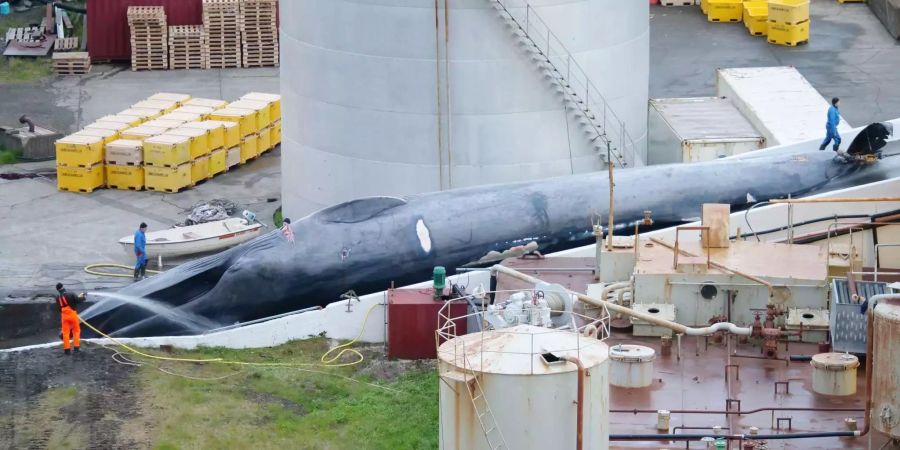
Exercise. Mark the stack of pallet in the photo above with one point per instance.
(222, 34)
(259, 33)
(168, 143)
(71, 63)
(186, 47)
(149, 41)
(788, 22)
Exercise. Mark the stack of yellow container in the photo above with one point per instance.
(788, 22)
(722, 10)
(756, 17)
(168, 142)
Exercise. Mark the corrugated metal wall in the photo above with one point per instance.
(108, 35)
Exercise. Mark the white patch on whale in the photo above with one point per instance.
(424, 236)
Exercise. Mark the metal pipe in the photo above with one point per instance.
(579, 427)
(612, 185)
(676, 327)
(613, 287)
(25, 119)
(730, 437)
(733, 412)
(835, 200)
(721, 267)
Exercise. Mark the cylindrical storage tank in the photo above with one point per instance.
(834, 373)
(377, 100)
(886, 369)
(631, 366)
(531, 390)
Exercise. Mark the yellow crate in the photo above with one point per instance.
(115, 126)
(124, 152)
(167, 150)
(234, 157)
(79, 151)
(704, 6)
(209, 102)
(106, 135)
(274, 101)
(788, 12)
(789, 35)
(131, 121)
(200, 169)
(144, 114)
(168, 124)
(167, 179)
(756, 17)
(202, 111)
(125, 177)
(725, 10)
(142, 132)
(198, 139)
(264, 141)
(263, 112)
(246, 119)
(215, 132)
(276, 133)
(218, 162)
(179, 99)
(183, 116)
(165, 106)
(79, 179)
(249, 149)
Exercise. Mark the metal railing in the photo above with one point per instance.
(574, 80)
(462, 358)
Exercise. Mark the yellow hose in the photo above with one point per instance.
(325, 361)
(90, 269)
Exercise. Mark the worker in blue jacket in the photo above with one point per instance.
(831, 127)
(140, 252)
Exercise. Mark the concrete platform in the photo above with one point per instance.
(849, 55)
(888, 12)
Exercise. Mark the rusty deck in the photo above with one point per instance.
(755, 392)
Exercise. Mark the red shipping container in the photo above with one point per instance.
(108, 36)
(412, 321)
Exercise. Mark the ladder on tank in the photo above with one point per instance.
(485, 414)
(607, 133)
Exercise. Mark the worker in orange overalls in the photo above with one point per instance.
(69, 316)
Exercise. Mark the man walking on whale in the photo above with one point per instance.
(831, 126)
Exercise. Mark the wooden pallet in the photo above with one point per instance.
(221, 29)
(71, 63)
(186, 47)
(65, 44)
(259, 33)
(146, 15)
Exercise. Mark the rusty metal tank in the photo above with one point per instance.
(886, 369)
(518, 388)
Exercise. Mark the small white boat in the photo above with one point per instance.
(202, 238)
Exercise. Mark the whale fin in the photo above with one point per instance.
(359, 210)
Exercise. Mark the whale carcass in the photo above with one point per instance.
(367, 244)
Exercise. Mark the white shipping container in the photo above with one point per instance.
(697, 129)
(778, 101)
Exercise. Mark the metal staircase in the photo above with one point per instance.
(606, 132)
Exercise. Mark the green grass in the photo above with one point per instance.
(26, 69)
(278, 408)
(278, 218)
(7, 156)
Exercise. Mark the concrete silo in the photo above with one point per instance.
(395, 97)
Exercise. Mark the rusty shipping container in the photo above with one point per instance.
(108, 37)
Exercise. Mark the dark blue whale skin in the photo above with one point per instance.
(368, 243)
